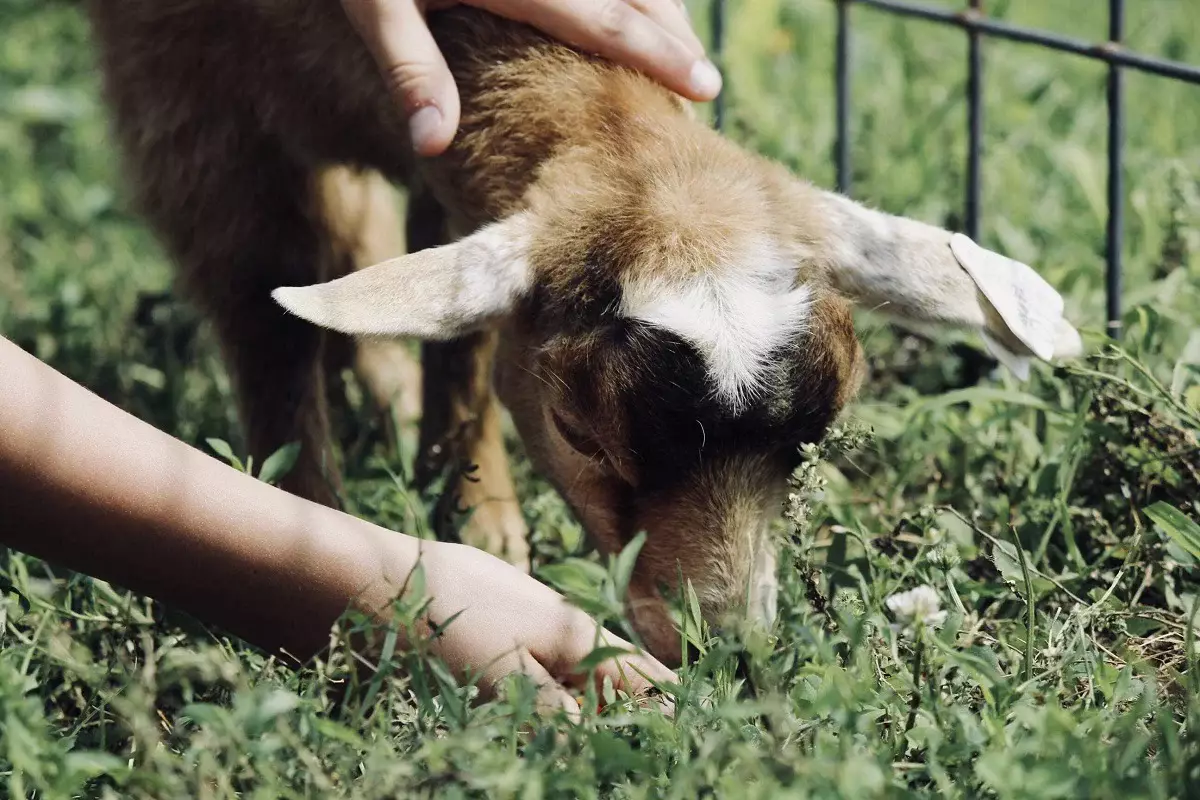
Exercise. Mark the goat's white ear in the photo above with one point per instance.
(923, 274)
(435, 294)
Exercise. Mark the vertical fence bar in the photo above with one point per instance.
(974, 124)
(1116, 188)
(842, 77)
(717, 23)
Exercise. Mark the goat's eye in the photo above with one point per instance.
(579, 440)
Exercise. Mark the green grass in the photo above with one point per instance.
(1064, 668)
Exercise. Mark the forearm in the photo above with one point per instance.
(86, 485)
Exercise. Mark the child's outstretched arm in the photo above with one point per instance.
(91, 487)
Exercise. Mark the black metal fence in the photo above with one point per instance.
(977, 25)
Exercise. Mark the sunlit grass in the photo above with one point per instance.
(107, 694)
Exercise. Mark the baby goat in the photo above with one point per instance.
(665, 315)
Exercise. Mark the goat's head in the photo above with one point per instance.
(673, 330)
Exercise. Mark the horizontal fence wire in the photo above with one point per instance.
(1110, 52)
(978, 25)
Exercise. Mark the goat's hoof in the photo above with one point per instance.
(498, 527)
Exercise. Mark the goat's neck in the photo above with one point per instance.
(525, 101)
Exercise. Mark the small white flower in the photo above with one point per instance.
(919, 606)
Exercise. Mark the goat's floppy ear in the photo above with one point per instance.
(923, 274)
(435, 294)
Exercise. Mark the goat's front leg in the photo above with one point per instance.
(460, 424)
(460, 431)
(362, 212)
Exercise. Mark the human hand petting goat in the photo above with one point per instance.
(651, 36)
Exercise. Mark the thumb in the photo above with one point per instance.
(396, 34)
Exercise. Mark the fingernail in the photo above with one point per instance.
(423, 127)
(705, 79)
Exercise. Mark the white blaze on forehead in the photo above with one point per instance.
(736, 315)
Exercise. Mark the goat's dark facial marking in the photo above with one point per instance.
(658, 385)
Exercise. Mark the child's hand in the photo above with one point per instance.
(653, 36)
(509, 622)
